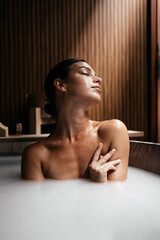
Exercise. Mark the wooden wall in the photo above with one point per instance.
(110, 34)
(158, 82)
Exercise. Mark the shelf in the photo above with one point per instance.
(37, 137)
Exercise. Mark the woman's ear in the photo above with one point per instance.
(60, 85)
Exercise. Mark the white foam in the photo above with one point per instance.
(78, 209)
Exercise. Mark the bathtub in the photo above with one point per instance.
(80, 209)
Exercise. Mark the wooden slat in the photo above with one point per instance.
(7, 111)
(153, 85)
(2, 60)
(34, 48)
(38, 47)
(20, 62)
(12, 99)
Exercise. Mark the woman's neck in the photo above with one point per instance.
(71, 122)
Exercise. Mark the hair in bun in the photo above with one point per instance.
(61, 71)
(50, 109)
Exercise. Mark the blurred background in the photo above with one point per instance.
(118, 38)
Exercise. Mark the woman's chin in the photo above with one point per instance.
(96, 100)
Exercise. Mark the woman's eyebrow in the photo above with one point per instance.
(87, 69)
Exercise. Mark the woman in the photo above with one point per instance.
(78, 147)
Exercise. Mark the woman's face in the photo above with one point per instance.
(82, 84)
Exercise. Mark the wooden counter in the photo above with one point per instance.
(37, 137)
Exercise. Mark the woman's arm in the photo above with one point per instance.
(31, 164)
(119, 141)
(112, 166)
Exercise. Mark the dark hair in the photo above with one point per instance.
(61, 71)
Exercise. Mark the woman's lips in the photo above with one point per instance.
(97, 88)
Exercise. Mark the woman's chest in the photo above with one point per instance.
(70, 161)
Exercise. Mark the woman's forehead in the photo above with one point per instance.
(79, 65)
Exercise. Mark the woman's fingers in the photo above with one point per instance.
(97, 153)
(107, 156)
(100, 165)
(97, 157)
(98, 173)
(111, 165)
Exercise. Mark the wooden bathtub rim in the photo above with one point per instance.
(145, 155)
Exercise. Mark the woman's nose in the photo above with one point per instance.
(98, 79)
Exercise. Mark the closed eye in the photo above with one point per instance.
(85, 74)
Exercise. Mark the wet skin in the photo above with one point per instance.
(78, 146)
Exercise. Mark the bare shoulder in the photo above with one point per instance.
(31, 161)
(30, 148)
(114, 133)
(112, 128)
(32, 151)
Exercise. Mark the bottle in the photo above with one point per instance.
(19, 128)
(3, 130)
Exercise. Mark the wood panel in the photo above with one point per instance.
(153, 71)
(158, 82)
(145, 155)
(110, 35)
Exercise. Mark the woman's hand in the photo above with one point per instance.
(100, 166)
